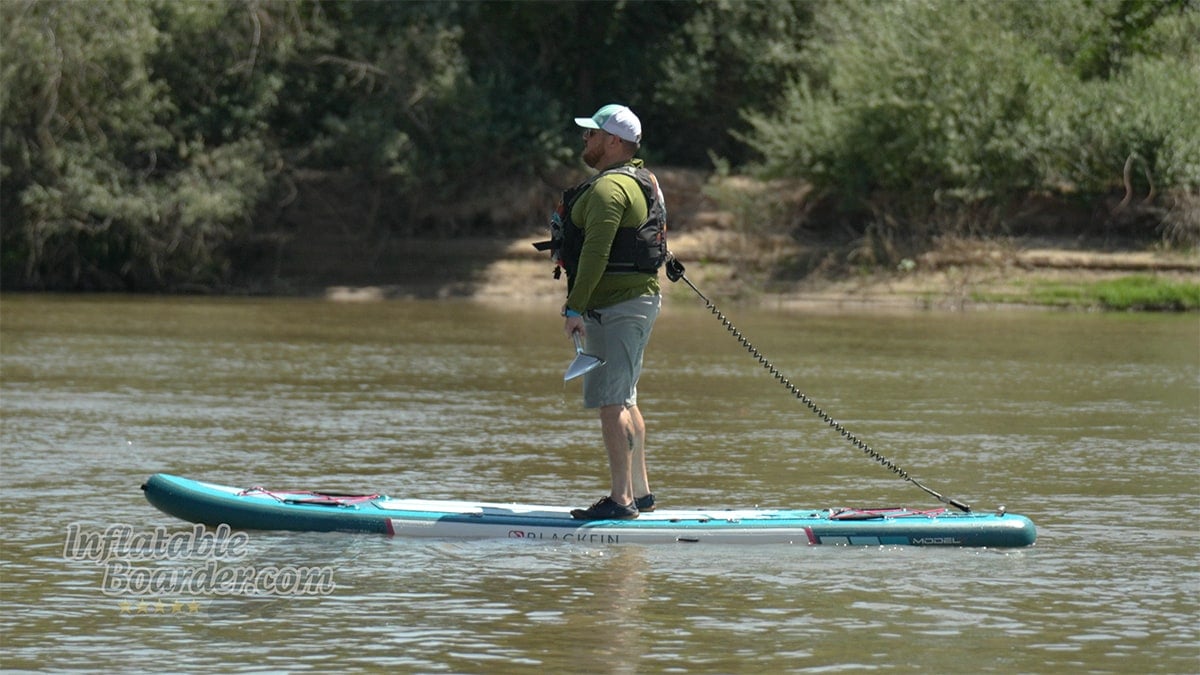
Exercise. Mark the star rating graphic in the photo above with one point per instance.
(158, 606)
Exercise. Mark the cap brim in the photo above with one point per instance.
(587, 123)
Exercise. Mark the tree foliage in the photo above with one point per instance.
(153, 144)
(918, 109)
(112, 178)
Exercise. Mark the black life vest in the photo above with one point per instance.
(634, 249)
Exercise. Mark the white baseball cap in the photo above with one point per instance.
(617, 120)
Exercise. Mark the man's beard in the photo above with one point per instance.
(591, 157)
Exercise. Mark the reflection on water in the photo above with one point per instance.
(1089, 424)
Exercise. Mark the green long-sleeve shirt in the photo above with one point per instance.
(613, 201)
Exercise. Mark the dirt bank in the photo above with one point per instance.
(961, 276)
(343, 247)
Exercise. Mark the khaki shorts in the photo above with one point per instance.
(618, 334)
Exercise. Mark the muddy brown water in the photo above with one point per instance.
(1087, 423)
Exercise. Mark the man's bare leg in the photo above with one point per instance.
(620, 439)
(638, 474)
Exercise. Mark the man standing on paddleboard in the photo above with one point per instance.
(612, 240)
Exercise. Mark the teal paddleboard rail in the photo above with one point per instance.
(258, 508)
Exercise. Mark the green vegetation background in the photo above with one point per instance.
(156, 144)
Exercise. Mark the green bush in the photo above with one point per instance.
(1144, 117)
(918, 110)
(109, 183)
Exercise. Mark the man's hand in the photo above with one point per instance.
(572, 325)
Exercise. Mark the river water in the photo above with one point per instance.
(1087, 423)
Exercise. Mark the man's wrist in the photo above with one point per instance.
(570, 313)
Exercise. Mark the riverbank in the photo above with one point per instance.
(960, 275)
(338, 247)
